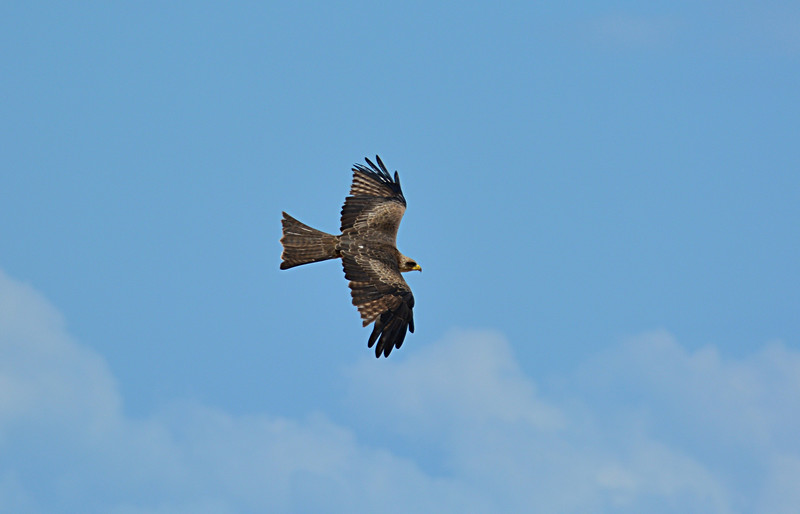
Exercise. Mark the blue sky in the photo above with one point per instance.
(604, 197)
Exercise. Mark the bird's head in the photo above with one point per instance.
(407, 264)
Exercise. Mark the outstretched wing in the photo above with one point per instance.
(376, 202)
(381, 295)
(370, 218)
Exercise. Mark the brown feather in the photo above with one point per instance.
(370, 218)
(303, 244)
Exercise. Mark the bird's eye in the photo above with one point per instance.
(411, 263)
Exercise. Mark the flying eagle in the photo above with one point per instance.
(367, 246)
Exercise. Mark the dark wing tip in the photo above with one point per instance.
(380, 163)
(380, 173)
(391, 327)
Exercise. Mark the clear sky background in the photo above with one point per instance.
(604, 196)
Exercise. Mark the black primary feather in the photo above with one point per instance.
(390, 329)
(381, 174)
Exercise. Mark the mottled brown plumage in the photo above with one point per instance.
(367, 246)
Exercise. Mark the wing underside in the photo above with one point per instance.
(381, 296)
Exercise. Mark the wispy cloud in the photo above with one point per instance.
(467, 396)
(731, 28)
(646, 426)
(629, 30)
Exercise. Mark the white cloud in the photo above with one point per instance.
(454, 426)
(466, 396)
(43, 374)
(700, 394)
(470, 378)
(68, 447)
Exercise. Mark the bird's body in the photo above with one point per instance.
(367, 246)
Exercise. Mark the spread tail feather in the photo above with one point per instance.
(303, 244)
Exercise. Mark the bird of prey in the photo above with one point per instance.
(367, 246)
